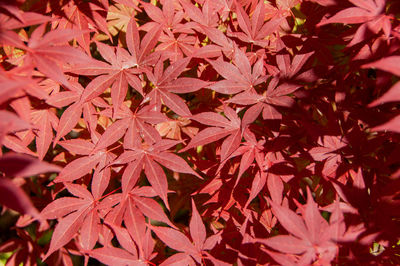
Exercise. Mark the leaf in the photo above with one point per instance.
(61, 207)
(140, 52)
(114, 256)
(78, 168)
(100, 181)
(315, 223)
(197, 228)
(45, 134)
(275, 187)
(14, 197)
(389, 64)
(157, 179)
(290, 221)
(230, 144)
(258, 183)
(206, 136)
(136, 225)
(211, 134)
(350, 15)
(65, 230)
(286, 244)
(174, 239)
(124, 239)
(90, 230)
(68, 121)
(12, 123)
(167, 81)
(13, 164)
(174, 162)
(78, 146)
(153, 210)
(131, 175)
(178, 259)
(254, 29)
(392, 125)
(392, 95)
(50, 52)
(112, 134)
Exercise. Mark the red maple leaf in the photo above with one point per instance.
(73, 213)
(167, 82)
(368, 13)
(312, 237)
(220, 127)
(255, 30)
(145, 156)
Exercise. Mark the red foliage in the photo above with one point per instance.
(200, 132)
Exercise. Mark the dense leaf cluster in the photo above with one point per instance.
(200, 132)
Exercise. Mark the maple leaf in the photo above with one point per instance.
(15, 198)
(13, 164)
(167, 18)
(138, 125)
(178, 241)
(119, 16)
(207, 16)
(94, 157)
(140, 49)
(392, 125)
(283, 8)
(167, 83)
(138, 231)
(249, 150)
(117, 75)
(289, 68)
(366, 12)
(118, 110)
(254, 30)
(312, 237)
(330, 152)
(125, 237)
(220, 127)
(274, 95)
(49, 53)
(45, 121)
(176, 47)
(389, 64)
(73, 213)
(84, 17)
(131, 207)
(22, 245)
(240, 77)
(224, 44)
(68, 120)
(22, 19)
(172, 129)
(146, 156)
(11, 123)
